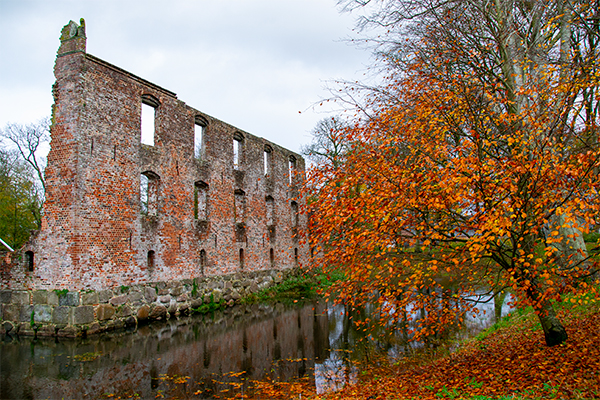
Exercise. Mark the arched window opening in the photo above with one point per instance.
(272, 257)
(240, 206)
(294, 207)
(149, 183)
(201, 201)
(202, 261)
(200, 125)
(268, 160)
(292, 168)
(29, 262)
(148, 124)
(238, 150)
(296, 255)
(151, 261)
(241, 258)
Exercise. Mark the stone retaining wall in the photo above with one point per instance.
(76, 313)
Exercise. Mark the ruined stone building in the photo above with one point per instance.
(191, 197)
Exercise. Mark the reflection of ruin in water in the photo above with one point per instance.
(255, 339)
(276, 341)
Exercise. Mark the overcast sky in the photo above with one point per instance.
(251, 63)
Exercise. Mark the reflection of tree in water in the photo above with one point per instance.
(336, 369)
(354, 334)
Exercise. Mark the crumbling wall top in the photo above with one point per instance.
(72, 38)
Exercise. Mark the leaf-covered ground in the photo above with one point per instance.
(510, 362)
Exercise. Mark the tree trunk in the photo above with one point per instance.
(572, 248)
(498, 303)
(554, 332)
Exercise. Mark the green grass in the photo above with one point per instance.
(297, 287)
(209, 307)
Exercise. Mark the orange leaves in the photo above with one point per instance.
(462, 171)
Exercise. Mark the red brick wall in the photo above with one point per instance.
(94, 234)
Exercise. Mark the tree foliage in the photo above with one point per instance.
(477, 169)
(20, 200)
(21, 180)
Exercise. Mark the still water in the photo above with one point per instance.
(196, 357)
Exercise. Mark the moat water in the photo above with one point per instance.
(212, 356)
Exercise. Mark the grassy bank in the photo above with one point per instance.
(298, 287)
(507, 361)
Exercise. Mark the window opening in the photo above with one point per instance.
(267, 160)
(29, 260)
(200, 201)
(149, 105)
(240, 206)
(272, 257)
(238, 141)
(148, 115)
(292, 168)
(294, 207)
(151, 260)
(202, 261)
(296, 255)
(241, 258)
(270, 210)
(199, 129)
(149, 183)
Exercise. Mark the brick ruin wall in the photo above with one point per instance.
(234, 207)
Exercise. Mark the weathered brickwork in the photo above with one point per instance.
(231, 206)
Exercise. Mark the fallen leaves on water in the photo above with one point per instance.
(513, 362)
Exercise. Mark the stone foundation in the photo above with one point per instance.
(75, 313)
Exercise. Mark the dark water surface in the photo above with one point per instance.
(198, 356)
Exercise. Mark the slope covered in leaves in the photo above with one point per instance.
(510, 362)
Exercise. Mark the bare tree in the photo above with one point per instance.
(328, 144)
(28, 140)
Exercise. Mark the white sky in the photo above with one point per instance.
(251, 63)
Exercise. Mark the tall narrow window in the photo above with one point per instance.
(199, 128)
(202, 261)
(149, 183)
(201, 201)
(270, 203)
(272, 257)
(268, 160)
(296, 255)
(151, 260)
(149, 105)
(241, 258)
(240, 206)
(238, 150)
(29, 260)
(292, 168)
(294, 207)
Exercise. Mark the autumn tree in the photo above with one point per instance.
(481, 151)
